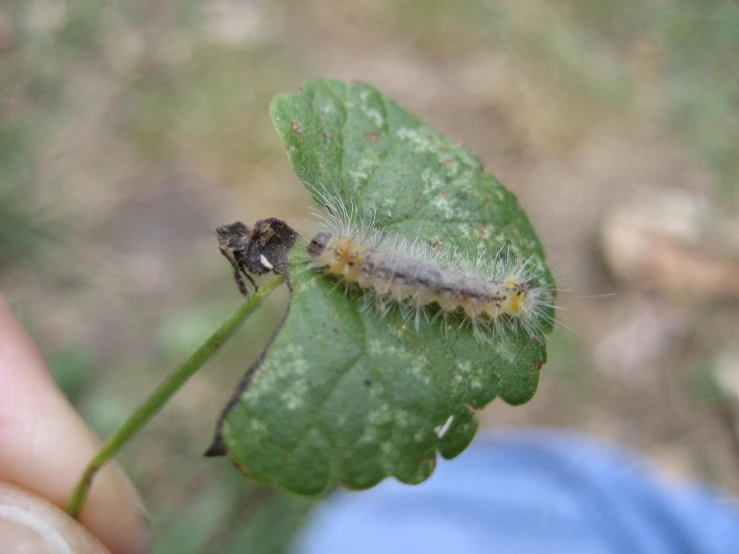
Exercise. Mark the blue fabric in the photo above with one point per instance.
(528, 492)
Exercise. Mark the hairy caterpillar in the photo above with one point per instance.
(493, 292)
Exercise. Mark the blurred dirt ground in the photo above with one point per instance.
(130, 131)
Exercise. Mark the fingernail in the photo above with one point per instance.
(22, 531)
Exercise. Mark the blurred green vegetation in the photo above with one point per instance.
(674, 61)
(17, 233)
(96, 97)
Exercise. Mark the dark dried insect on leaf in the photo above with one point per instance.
(258, 250)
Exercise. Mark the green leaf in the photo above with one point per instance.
(343, 394)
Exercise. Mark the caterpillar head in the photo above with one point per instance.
(519, 298)
(339, 255)
(317, 246)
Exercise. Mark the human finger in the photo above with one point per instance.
(45, 445)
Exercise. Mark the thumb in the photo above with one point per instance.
(28, 523)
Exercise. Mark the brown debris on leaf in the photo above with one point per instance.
(256, 251)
